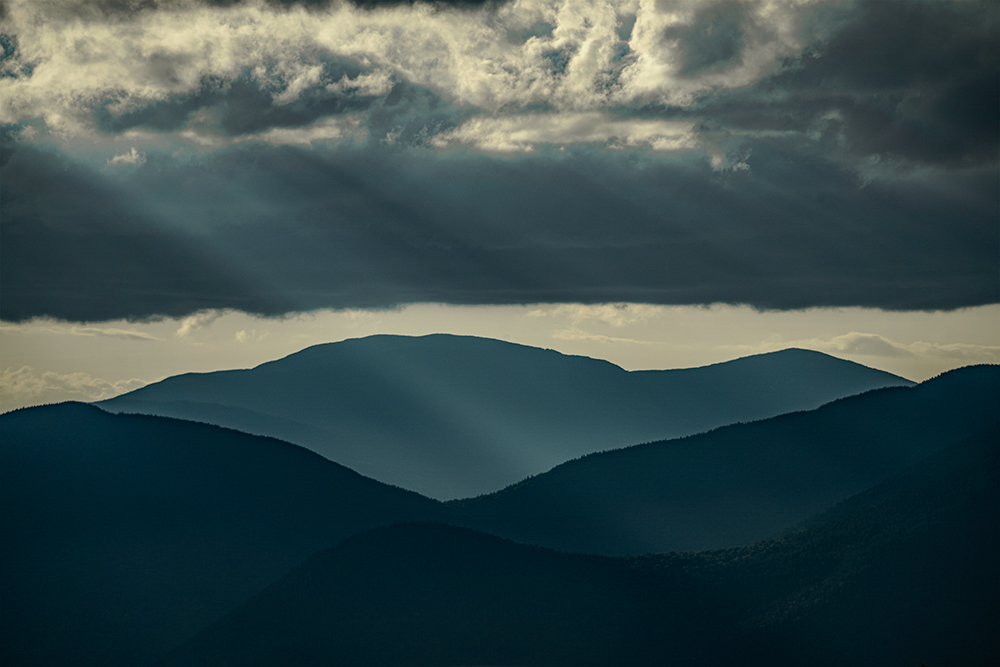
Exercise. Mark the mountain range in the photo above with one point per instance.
(123, 534)
(863, 531)
(904, 573)
(740, 483)
(457, 416)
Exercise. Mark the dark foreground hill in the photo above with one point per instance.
(457, 416)
(123, 534)
(741, 483)
(903, 574)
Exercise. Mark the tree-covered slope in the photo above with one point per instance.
(123, 534)
(741, 483)
(902, 574)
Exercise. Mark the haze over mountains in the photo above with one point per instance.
(740, 483)
(457, 416)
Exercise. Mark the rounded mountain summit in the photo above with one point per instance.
(458, 416)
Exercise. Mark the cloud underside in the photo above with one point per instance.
(275, 230)
(276, 157)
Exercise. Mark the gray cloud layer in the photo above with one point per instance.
(912, 80)
(272, 230)
(819, 154)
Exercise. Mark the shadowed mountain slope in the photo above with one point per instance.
(457, 416)
(902, 574)
(123, 534)
(740, 483)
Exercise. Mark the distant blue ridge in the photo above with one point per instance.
(458, 416)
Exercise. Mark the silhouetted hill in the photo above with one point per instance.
(456, 416)
(903, 574)
(123, 534)
(419, 594)
(740, 483)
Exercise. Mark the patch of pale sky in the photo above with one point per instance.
(615, 314)
(915, 345)
(26, 386)
(577, 334)
(252, 336)
(304, 79)
(111, 332)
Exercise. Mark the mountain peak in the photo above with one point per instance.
(456, 416)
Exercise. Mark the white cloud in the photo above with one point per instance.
(252, 336)
(111, 332)
(864, 344)
(522, 133)
(483, 59)
(28, 133)
(875, 345)
(615, 314)
(304, 79)
(328, 129)
(374, 83)
(132, 157)
(108, 332)
(973, 354)
(26, 386)
(199, 320)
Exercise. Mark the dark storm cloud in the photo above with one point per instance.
(413, 114)
(918, 81)
(869, 178)
(62, 220)
(271, 231)
(715, 39)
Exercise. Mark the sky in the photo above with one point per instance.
(189, 185)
